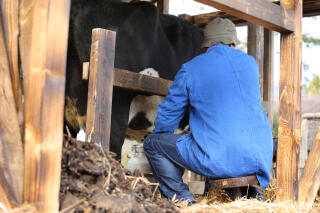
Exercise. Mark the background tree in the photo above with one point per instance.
(314, 86)
(308, 40)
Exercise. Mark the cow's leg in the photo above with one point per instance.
(119, 119)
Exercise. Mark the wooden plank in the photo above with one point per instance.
(196, 187)
(141, 83)
(10, 16)
(202, 19)
(260, 12)
(11, 148)
(44, 36)
(289, 110)
(310, 179)
(163, 6)
(256, 49)
(310, 8)
(98, 120)
(126, 79)
(268, 73)
(233, 182)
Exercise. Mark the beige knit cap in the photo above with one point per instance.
(220, 30)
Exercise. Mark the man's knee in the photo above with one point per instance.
(148, 143)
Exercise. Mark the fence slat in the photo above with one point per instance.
(11, 152)
(11, 30)
(98, 120)
(43, 47)
(310, 179)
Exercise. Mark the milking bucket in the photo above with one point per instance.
(138, 160)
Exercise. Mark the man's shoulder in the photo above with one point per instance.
(237, 53)
(202, 59)
(218, 55)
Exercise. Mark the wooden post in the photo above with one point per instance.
(43, 42)
(98, 120)
(310, 179)
(11, 148)
(268, 73)
(163, 6)
(11, 30)
(256, 48)
(289, 108)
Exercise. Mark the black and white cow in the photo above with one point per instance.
(145, 39)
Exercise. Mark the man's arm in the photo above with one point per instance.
(172, 109)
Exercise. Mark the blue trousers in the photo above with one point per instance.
(167, 165)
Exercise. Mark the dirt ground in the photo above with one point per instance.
(92, 181)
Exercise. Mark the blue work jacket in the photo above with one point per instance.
(230, 133)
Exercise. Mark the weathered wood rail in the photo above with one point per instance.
(310, 180)
(11, 147)
(129, 80)
(310, 8)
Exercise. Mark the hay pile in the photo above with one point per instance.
(248, 206)
(218, 201)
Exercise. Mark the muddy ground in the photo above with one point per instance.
(92, 181)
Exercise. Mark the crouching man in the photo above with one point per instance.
(230, 134)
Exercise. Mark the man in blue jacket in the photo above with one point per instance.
(230, 134)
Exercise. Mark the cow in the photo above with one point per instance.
(145, 39)
(143, 110)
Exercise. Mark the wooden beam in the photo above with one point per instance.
(310, 179)
(126, 79)
(163, 6)
(268, 73)
(98, 120)
(146, 84)
(11, 148)
(233, 182)
(310, 8)
(43, 42)
(256, 49)
(289, 109)
(260, 12)
(10, 16)
(202, 19)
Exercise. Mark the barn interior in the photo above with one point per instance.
(46, 164)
